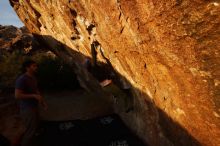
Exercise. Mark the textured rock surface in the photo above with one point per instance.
(168, 51)
(13, 38)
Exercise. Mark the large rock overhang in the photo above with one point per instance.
(168, 51)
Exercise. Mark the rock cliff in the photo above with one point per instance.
(17, 39)
(167, 51)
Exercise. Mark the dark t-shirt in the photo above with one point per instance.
(28, 85)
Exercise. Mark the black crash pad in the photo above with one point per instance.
(102, 131)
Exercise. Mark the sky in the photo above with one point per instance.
(8, 15)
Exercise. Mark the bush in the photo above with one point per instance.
(53, 73)
(10, 64)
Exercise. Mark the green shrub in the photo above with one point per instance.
(10, 64)
(53, 73)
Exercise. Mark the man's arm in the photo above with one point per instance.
(43, 102)
(19, 94)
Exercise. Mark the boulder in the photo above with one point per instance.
(167, 52)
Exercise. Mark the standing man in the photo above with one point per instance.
(26, 91)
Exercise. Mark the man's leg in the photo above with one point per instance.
(30, 119)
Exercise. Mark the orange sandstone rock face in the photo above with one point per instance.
(168, 51)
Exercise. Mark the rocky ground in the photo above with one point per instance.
(10, 122)
(67, 105)
(62, 105)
